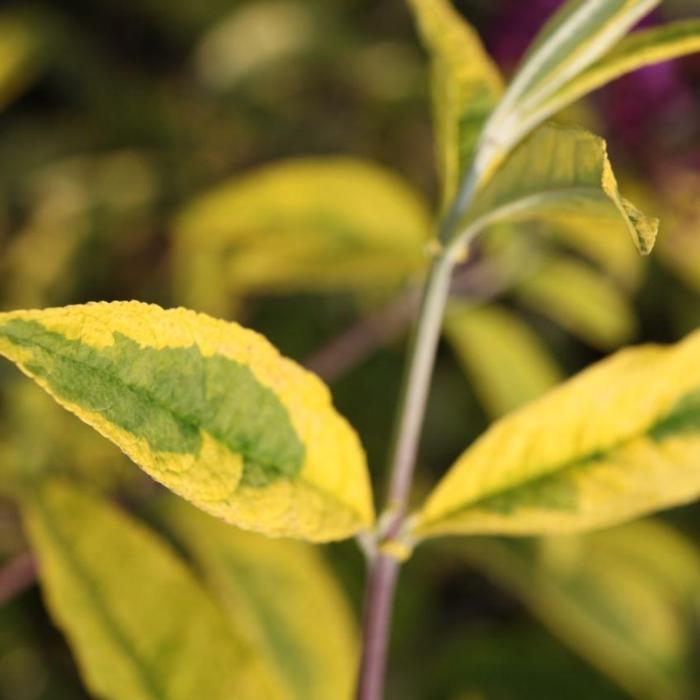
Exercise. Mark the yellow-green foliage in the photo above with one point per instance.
(635, 51)
(576, 36)
(320, 224)
(622, 598)
(19, 52)
(599, 241)
(581, 300)
(141, 626)
(619, 440)
(252, 38)
(284, 596)
(465, 86)
(507, 362)
(75, 202)
(679, 247)
(212, 410)
(208, 408)
(39, 439)
(555, 172)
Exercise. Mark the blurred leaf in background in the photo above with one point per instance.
(316, 658)
(627, 599)
(303, 225)
(273, 160)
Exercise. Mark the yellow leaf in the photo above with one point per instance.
(284, 595)
(140, 625)
(558, 171)
(312, 224)
(642, 48)
(208, 408)
(621, 598)
(581, 300)
(619, 440)
(465, 86)
(507, 362)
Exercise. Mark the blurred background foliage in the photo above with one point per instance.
(146, 153)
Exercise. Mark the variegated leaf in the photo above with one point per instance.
(577, 35)
(308, 224)
(556, 172)
(465, 86)
(138, 622)
(619, 440)
(642, 48)
(271, 585)
(208, 408)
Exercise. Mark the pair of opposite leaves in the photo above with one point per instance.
(212, 411)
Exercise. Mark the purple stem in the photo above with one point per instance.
(354, 345)
(381, 584)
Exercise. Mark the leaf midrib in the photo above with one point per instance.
(142, 394)
(555, 472)
(324, 493)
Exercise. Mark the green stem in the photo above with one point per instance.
(412, 403)
(384, 568)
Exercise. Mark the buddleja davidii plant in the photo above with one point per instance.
(500, 162)
(212, 411)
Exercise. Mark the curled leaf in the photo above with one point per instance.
(556, 172)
